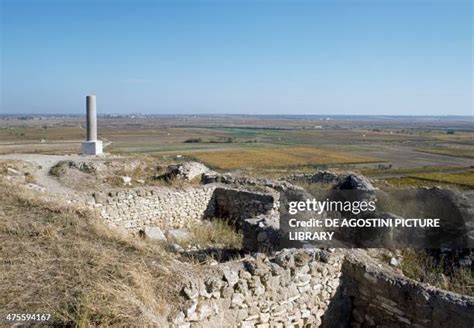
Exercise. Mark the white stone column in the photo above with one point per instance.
(91, 118)
(91, 146)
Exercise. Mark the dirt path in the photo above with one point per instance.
(42, 176)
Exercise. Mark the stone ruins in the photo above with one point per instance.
(279, 288)
(313, 288)
(265, 286)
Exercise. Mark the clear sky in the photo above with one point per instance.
(255, 57)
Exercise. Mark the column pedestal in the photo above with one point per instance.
(91, 147)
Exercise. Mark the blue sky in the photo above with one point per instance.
(254, 57)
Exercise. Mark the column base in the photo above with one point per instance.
(91, 147)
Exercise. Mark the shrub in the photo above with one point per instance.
(193, 140)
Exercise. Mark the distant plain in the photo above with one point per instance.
(398, 150)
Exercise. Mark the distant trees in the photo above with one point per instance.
(193, 140)
(219, 140)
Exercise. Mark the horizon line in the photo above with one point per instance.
(238, 114)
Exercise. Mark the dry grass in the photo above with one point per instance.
(214, 233)
(420, 266)
(374, 172)
(24, 170)
(64, 262)
(406, 182)
(108, 173)
(276, 157)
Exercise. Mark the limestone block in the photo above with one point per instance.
(178, 235)
(154, 233)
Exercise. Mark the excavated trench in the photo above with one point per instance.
(298, 287)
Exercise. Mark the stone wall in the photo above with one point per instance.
(238, 205)
(291, 289)
(158, 206)
(382, 298)
(176, 208)
(318, 177)
(313, 288)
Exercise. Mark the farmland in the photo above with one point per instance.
(416, 151)
(464, 180)
(455, 152)
(277, 157)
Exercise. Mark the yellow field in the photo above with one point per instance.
(276, 157)
(463, 179)
(456, 152)
(406, 182)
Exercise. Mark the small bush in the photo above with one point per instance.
(29, 178)
(193, 140)
(58, 169)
